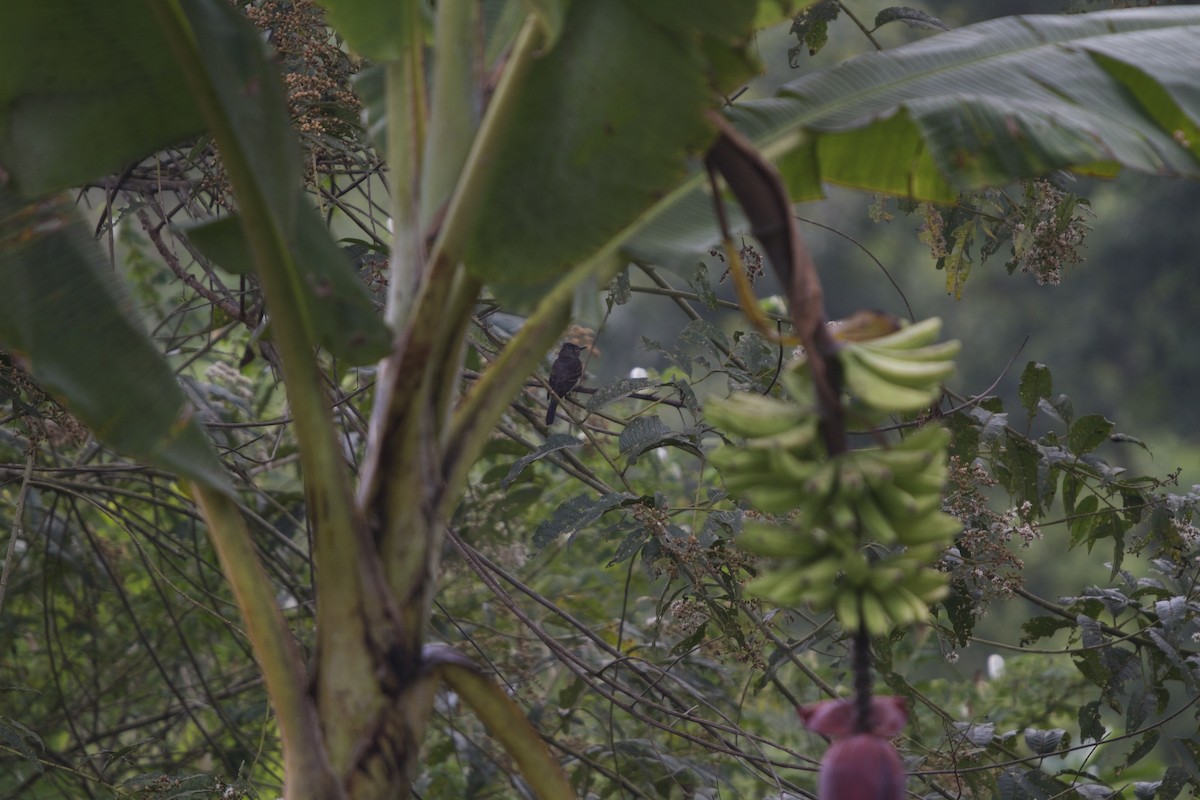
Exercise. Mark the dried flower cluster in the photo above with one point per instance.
(43, 419)
(982, 558)
(316, 79)
(751, 259)
(1045, 228)
(1049, 237)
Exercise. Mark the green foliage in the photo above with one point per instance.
(588, 117)
(102, 361)
(63, 133)
(614, 580)
(985, 104)
(334, 299)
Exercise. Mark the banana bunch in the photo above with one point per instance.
(902, 371)
(861, 527)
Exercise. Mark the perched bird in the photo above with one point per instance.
(564, 374)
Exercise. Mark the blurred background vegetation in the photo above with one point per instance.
(124, 671)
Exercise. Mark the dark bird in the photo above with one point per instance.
(565, 373)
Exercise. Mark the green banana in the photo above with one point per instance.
(738, 461)
(875, 614)
(774, 498)
(856, 570)
(930, 585)
(915, 374)
(927, 437)
(823, 570)
(797, 437)
(900, 461)
(773, 541)
(918, 609)
(789, 468)
(884, 575)
(898, 607)
(755, 415)
(874, 523)
(942, 351)
(934, 528)
(880, 392)
(783, 587)
(928, 481)
(898, 503)
(918, 334)
(846, 608)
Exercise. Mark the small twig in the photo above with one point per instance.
(866, 31)
(226, 305)
(871, 256)
(977, 399)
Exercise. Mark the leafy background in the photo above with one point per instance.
(594, 578)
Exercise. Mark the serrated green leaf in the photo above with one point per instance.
(1008, 786)
(1089, 432)
(611, 392)
(979, 734)
(574, 514)
(811, 28)
(703, 286)
(630, 545)
(650, 432)
(1143, 748)
(912, 17)
(17, 737)
(721, 524)
(1042, 627)
(1043, 785)
(642, 434)
(1144, 790)
(706, 336)
(1090, 726)
(960, 607)
(1036, 384)
(1084, 520)
(689, 642)
(620, 290)
(1174, 779)
(554, 442)
(1172, 612)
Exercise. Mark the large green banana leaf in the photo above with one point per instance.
(65, 319)
(603, 127)
(980, 106)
